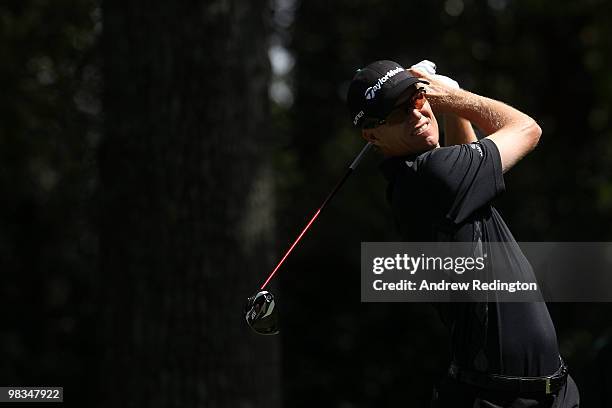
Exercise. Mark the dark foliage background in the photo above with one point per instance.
(49, 129)
(550, 59)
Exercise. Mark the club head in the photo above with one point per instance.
(261, 314)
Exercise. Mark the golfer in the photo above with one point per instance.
(503, 354)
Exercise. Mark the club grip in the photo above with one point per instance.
(362, 153)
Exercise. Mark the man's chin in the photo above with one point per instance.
(428, 148)
(432, 141)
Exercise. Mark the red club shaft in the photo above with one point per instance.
(314, 217)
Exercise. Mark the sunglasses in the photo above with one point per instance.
(399, 112)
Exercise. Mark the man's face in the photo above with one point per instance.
(407, 129)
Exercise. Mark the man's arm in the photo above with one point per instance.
(457, 130)
(514, 133)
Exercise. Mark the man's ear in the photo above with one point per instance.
(368, 134)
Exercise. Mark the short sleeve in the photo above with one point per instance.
(467, 176)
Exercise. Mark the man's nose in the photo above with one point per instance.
(414, 115)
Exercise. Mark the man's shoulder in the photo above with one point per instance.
(478, 146)
(445, 158)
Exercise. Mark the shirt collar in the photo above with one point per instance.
(391, 165)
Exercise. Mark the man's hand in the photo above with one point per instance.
(457, 130)
(438, 89)
(514, 133)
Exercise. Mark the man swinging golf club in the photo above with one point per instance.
(503, 354)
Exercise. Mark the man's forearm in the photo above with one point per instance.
(514, 132)
(487, 114)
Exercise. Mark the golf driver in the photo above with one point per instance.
(260, 311)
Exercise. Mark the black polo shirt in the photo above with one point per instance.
(445, 194)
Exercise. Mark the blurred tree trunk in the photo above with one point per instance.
(186, 204)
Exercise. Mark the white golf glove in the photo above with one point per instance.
(429, 67)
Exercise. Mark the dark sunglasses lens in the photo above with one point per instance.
(369, 124)
(261, 313)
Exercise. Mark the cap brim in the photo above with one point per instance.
(393, 94)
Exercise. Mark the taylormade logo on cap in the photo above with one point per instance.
(370, 93)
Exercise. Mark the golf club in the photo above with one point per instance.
(260, 310)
